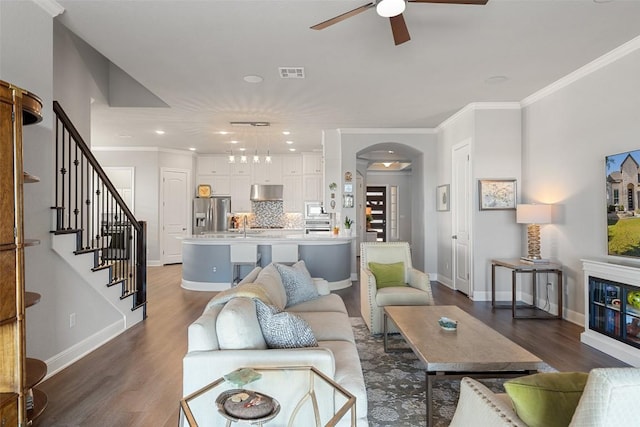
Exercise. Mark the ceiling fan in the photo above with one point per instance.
(391, 9)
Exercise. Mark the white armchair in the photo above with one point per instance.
(608, 400)
(372, 299)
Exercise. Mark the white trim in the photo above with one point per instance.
(341, 284)
(144, 149)
(593, 66)
(77, 351)
(612, 347)
(52, 7)
(479, 106)
(154, 263)
(386, 131)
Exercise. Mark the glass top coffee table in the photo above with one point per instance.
(209, 395)
(473, 350)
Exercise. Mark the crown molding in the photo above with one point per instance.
(52, 7)
(593, 66)
(477, 106)
(144, 149)
(386, 131)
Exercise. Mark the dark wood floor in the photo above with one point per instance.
(136, 379)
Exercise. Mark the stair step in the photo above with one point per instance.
(115, 282)
(101, 267)
(86, 251)
(68, 231)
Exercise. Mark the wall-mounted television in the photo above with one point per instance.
(623, 203)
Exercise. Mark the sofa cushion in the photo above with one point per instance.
(331, 302)
(272, 282)
(283, 330)
(298, 284)
(402, 296)
(388, 274)
(329, 326)
(238, 327)
(546, 399)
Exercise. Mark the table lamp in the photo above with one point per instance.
(533, 215)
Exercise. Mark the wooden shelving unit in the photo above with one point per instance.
(18, 374)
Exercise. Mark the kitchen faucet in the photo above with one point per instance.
(244, 226)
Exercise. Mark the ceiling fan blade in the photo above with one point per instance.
(399, 29)
(342, 17)
(478, 2)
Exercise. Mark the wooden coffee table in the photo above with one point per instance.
(474, 350)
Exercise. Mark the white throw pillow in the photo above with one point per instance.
(272, 282)
(237, 326)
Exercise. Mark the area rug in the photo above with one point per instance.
(395, 382)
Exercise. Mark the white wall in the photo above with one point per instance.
(147, 163)
(567, 134)
(27, 47)
(423, 221)
(495, 134)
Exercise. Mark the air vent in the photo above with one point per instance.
(291, 72)
(249, 124)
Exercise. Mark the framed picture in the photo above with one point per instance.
(497, 194)
(442, 198)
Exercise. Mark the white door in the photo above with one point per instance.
(176, 205)
(461, 217)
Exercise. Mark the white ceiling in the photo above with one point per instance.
(193, 55)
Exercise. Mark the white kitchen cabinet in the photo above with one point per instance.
(238, 168)
(312, 163)
(213, 165)
(312, 187)
(240, 189)
(292, 194)
(268, 173)
(292, 165)
(220, 184)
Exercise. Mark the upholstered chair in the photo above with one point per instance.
(387, 277)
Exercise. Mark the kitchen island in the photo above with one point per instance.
(206, 260)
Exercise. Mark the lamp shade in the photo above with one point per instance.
(533, 214)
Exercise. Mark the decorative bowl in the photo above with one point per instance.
(448, 324)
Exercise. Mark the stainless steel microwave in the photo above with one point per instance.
(314, 210)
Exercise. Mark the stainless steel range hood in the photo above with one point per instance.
(264, 193)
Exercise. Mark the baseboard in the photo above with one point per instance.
(84, 347)
(154, 263)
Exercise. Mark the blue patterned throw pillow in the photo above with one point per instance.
(283, 330)
(298, 284)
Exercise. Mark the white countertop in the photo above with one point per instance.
(263, 237)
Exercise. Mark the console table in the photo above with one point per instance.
(518, 266)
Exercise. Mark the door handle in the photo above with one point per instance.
(184, 229)
(454, 237)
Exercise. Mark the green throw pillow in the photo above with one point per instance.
(546, 399)
(388, 275)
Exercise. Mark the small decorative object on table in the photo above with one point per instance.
(448, 324)
(242, 377)
(247, 406)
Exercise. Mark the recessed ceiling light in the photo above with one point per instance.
(234, 141)
(124, 136)
(192, 148)
(292, 149)
(223, 132)
(496, 80)
(289, 142)
(242, 149)
(160, 132)
(286, 132)
(253, 79)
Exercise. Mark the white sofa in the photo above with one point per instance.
(228, 336)
(608, 400)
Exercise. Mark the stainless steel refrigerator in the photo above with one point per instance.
(211, 214)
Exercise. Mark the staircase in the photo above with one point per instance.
(94, 230)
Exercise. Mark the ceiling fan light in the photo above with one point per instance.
(387, 164)
(390, 8)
